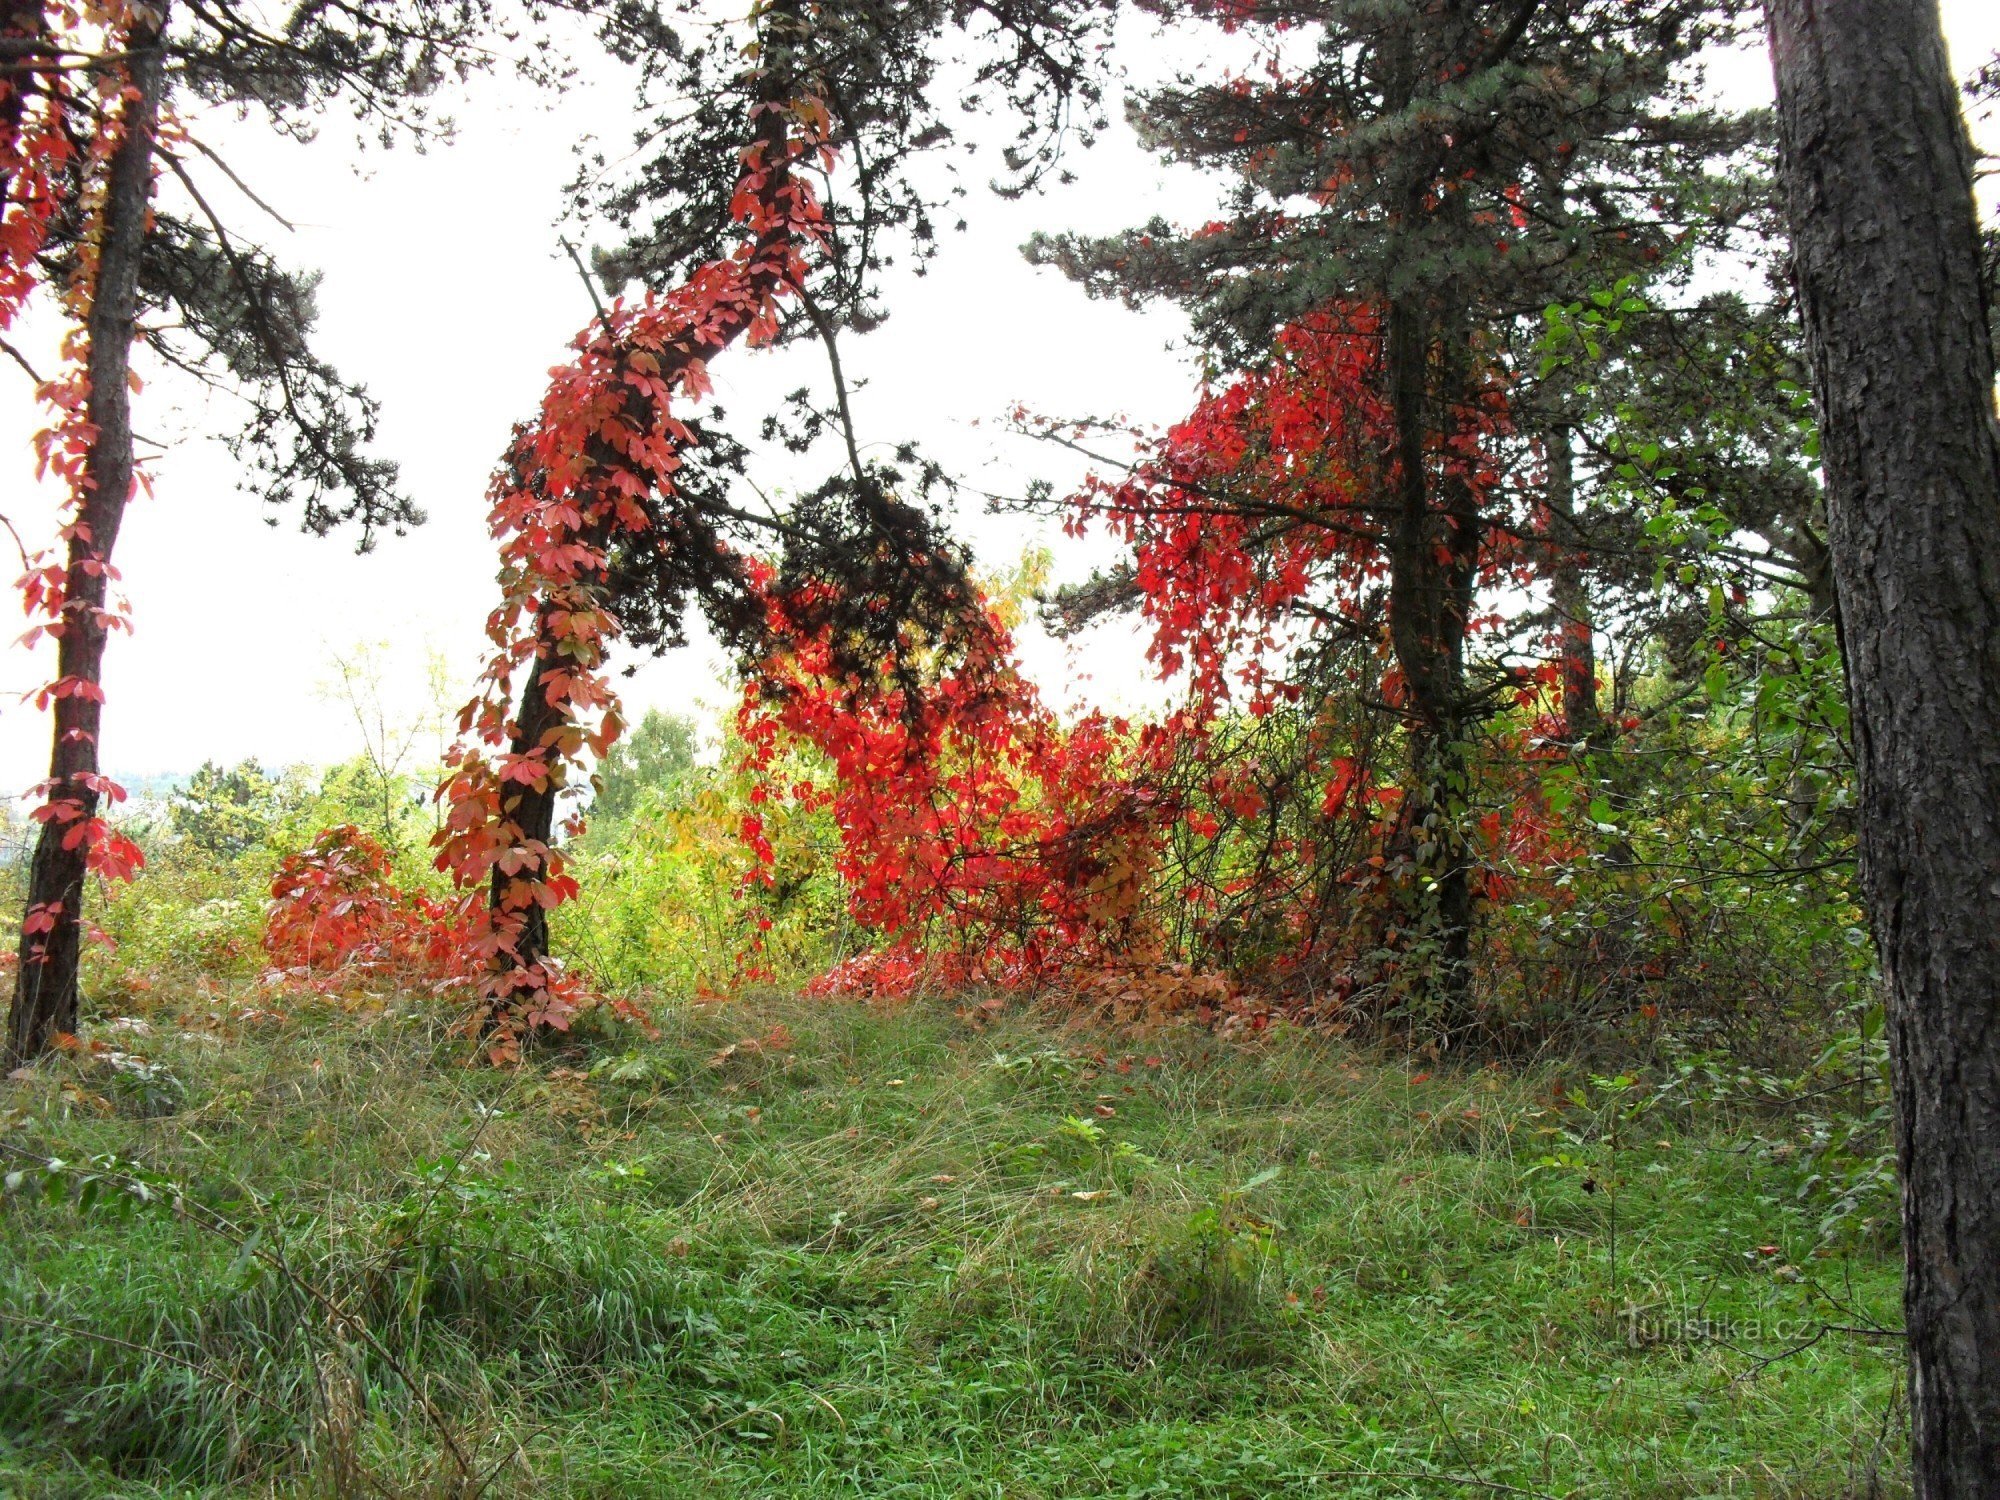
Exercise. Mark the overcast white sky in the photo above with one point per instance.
(446, 293)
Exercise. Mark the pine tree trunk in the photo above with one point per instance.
(45, 988)
(529, 814)
(1877, 173)
(1433, 543)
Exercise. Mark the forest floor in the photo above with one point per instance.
(814, 1249)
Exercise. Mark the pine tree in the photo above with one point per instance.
(1436, 172)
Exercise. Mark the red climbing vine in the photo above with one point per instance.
(974, 824)
(108, 185)
(581, 480)
(336, 912)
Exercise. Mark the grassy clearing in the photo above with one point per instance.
(899, 1254)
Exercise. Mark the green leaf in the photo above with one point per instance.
(244, 1252)
(1259, 1180)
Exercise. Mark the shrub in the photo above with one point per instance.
(335, 910)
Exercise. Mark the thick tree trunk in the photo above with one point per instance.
(1433, 549)
(45, 989)
(1878, 180)
(532, 811)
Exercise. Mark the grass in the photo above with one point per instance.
(814, 1249)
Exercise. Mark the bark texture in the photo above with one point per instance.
(45, 987)
(1433, 545)
(1878, 181)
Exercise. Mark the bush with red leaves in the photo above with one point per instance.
(337, 913)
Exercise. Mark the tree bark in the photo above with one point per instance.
(532, 811)
(45, 987)
(1433, 546)
(1878, 182)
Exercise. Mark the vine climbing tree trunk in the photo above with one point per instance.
(532, 808)
(45, 989)
(571, 490)
(1878, 181)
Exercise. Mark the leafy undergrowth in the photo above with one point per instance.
(815, 1249)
